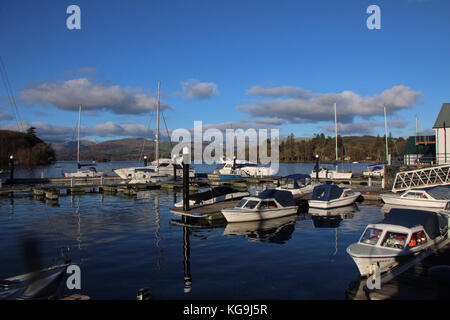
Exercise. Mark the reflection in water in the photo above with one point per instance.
(157, 235)
(186, 259)
(118, 237)
(331, 218)
(273, 230)
(77, 212)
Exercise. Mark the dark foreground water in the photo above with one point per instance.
(123, 244)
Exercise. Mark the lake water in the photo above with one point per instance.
(123, 244)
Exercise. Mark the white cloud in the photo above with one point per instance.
(363, 128)
(313, 107)
(67, 95)
(289, 91)
(194, 89)
(46, 131)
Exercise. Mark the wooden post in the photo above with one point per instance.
(186, 160)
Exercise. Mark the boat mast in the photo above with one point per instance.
(335, 129)
(157, 128)
(78, 142)
(386, 132)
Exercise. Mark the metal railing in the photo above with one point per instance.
(420, 178)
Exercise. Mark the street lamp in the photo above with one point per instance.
(11, 169)
(317, 167)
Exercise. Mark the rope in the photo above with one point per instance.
(9, 93)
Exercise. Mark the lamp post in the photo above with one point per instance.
(174, 164)
(145, 161)
(11, 169)
(317, 167)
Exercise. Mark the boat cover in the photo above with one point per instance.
(432, 222)
(284, 198)
(296, 177)
(326, 192)
(213, 193)
(438, 192)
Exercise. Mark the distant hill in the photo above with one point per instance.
(27, 148)
(113, 150)
(356, 148)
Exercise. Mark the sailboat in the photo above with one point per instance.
(159, 170)
(91, 171)
(325, 173)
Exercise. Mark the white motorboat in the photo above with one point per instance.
(403, 234)
(325, 173)
(268, 204)
(214, 195)
(297, 184)
(326, 196)
(91, 172)
(434, 197)
(376, 170)
(243, 168)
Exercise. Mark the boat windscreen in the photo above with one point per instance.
(251, 204)
(371, 236)
(394, 240)
(241, 203)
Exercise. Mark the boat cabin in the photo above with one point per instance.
(267, 199)
(404, 228)
(294, 181)
(327, 192)
(434, 193)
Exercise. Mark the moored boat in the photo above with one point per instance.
(325, 173)
(268, 204)
(434, 197)
(326, 196)
(243, 168)
(402, 234)
(297, 184)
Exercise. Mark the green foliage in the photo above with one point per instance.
(364, 148)
(27, 148)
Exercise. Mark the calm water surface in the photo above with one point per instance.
(123, 244)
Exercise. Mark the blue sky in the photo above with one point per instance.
(261, 64)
